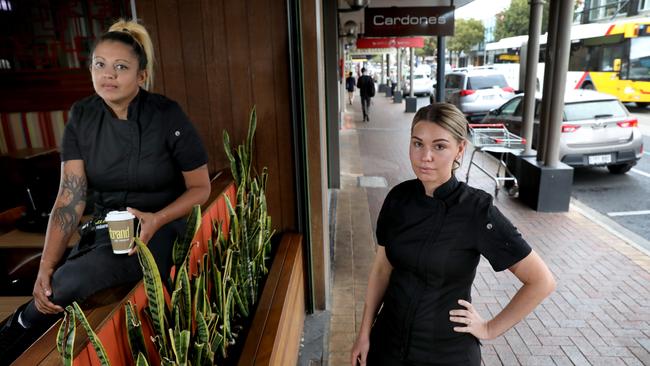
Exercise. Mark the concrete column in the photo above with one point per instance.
(548, 81)
(341, 81)
(383, 74)
(397, 94)
(330, 39)
(562, 47)
(399, 69)
(412, 66)
(534, 29)
(440, 70)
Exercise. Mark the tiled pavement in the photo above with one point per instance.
(599, 314)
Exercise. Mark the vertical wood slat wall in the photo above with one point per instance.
(219, 59)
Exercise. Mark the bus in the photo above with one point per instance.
(612, 58)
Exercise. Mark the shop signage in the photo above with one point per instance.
(415, 42)
(409, 21)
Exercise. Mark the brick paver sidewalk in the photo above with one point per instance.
(599, 315)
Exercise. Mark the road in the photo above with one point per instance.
(623, 198)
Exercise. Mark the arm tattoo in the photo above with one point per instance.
(73, 194)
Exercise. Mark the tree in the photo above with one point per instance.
(429, 49)
(514, 20)
(467, 34)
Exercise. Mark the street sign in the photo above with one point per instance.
(409, 21)
(415, 42)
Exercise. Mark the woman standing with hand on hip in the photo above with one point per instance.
(126, 149)
(431, 233)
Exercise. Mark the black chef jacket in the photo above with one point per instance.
(136, 162)
(434, 245)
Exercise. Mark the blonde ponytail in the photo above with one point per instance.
(142, 38)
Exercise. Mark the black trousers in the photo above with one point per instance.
(380, 357)
(365, 106)
(94, 267)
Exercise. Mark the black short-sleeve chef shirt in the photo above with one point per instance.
(434, 245)
(136, 162)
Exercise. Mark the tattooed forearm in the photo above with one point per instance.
(71, 195)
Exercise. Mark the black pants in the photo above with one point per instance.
(89, 270)
(365, 106)
(379, 357)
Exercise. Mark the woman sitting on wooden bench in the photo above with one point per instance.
(133, 150)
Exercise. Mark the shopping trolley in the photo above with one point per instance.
(496, 141)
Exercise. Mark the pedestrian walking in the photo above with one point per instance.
(350, 82)
(367, 90)
(431, 233)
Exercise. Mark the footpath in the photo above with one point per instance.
(599, 314)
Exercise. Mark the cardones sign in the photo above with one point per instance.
(411, 21)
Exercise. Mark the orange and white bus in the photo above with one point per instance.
(612, 58)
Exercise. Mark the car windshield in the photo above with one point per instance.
(640, 59)
(593, 109)
(486, 82)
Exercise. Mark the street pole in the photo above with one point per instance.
(399, 69)
(548, 88)
(411, 94)
(562, 46)
(383, 70)
(440, 70)
(532, 57)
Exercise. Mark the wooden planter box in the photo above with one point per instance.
(274, 336)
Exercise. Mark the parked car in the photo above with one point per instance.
(475, 91)
(422, 84)
(597, 129)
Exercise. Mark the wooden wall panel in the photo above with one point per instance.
(238, 44)
(196, 85)
(278, 30)
(170, 51)
(261, 63)
(218, 58)
(146, 12)
(214, 35)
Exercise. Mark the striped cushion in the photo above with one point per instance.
(31, 129)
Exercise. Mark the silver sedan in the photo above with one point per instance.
(597, 129)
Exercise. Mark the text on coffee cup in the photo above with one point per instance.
(119, 234)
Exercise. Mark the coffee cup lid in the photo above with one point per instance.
(119, 215)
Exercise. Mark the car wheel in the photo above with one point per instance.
(620, 168)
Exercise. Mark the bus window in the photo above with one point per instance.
(609, 54)
(639, 67)
(579, 57)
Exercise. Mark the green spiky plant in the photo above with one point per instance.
(206, 309)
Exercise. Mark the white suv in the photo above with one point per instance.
(476, 90)
(422, 84)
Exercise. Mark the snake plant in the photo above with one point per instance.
(206, 309)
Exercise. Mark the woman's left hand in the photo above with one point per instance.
(473, 321)
(149, 224)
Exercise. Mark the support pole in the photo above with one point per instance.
(411, 94)
(440, 70)
(383, 74)
(562, 47)
(548, 82)
(397, 94)
(532, 56)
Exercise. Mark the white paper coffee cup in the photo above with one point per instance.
(120, 230)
